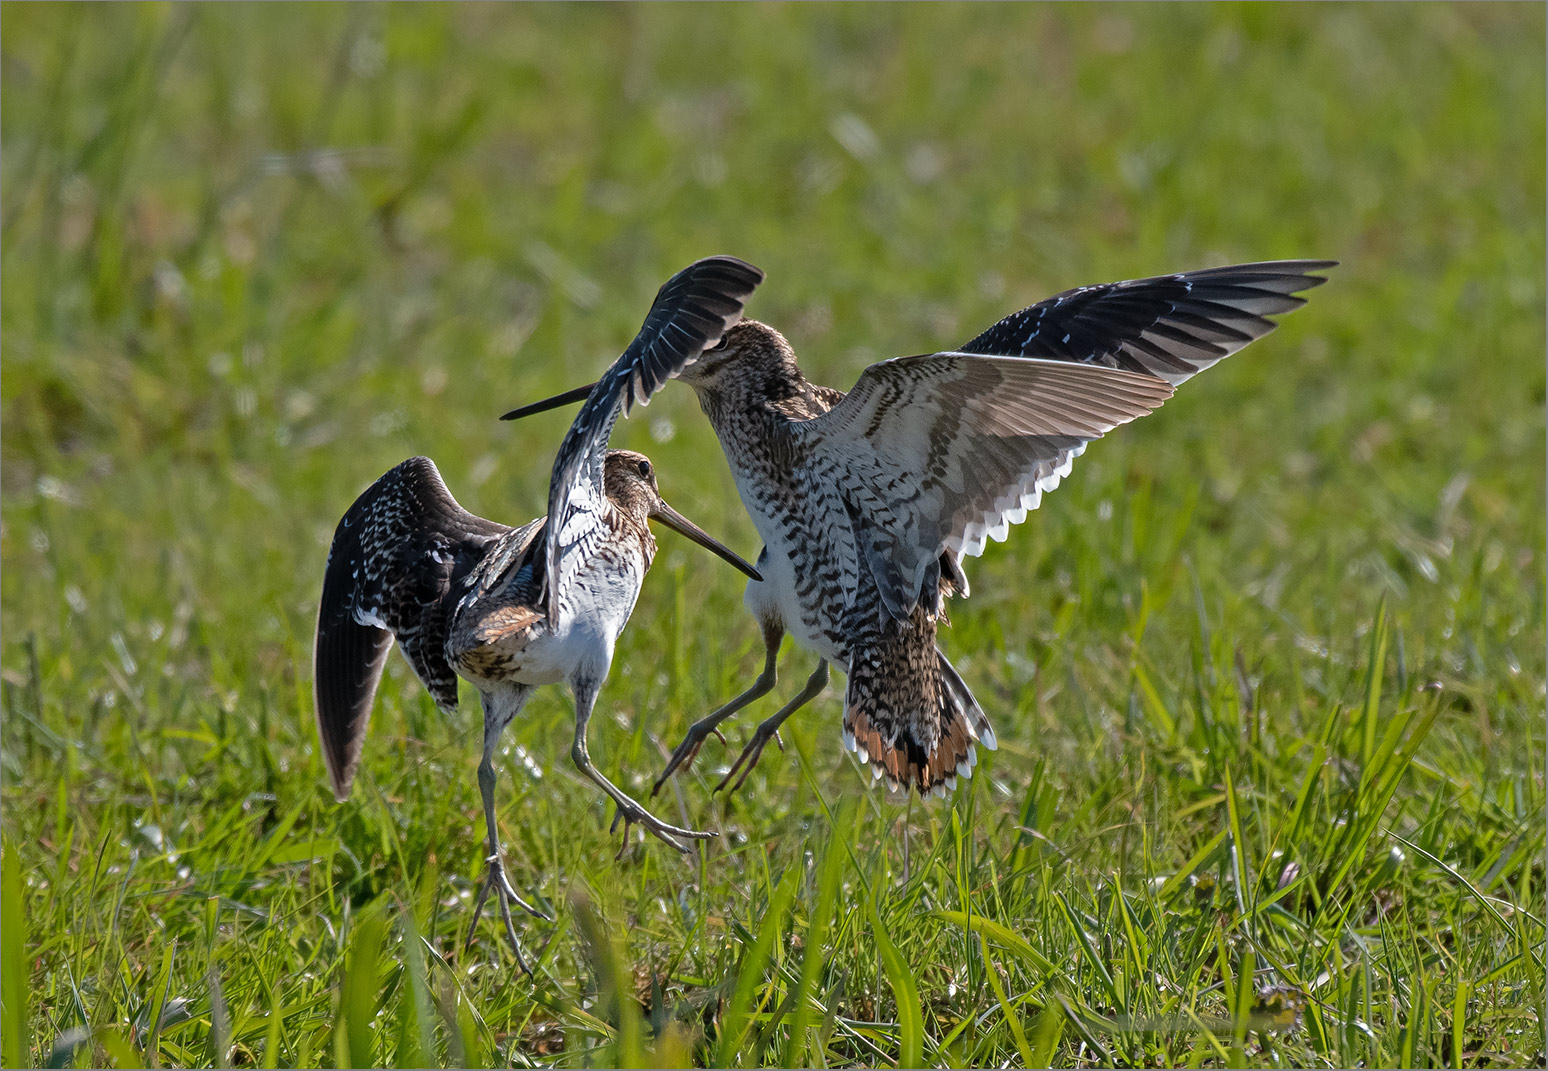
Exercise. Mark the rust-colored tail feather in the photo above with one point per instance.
(908, 714)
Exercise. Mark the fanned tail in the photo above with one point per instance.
(907, 712)
(982, 730)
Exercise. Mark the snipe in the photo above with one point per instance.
(511, 609)
(867, 501)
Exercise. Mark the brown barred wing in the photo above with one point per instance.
(397, 557)
(940, 453)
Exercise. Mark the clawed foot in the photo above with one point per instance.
(632, 814)
(688, 750)
(495, 881)
(766, 731)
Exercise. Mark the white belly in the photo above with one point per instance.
(594, 608)
(557, 656)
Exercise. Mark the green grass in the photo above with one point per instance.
(1267, 671)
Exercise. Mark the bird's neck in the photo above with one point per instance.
(768, 395)
(630, 524)
(758, 437)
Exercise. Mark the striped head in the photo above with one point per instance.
(629, 480)
(752, 361)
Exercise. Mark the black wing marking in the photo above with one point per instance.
(690, 314)
(1172, 326)
(395, 559)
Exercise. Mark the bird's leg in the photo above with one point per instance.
(629, 812)
(496, 717)
(769, 728)
(701, 730)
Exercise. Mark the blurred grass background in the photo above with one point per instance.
(1268, 670)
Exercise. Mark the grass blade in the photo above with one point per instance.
(415, 1046)
(905, 991)
(15, 1050)
(358, 1002)
(1238, 848)
(614, 984)
(271, 1042)
(1091, 954)
(1004, 936)
(1050, 1026)
(1241, 1013)
(1011, 1018)
(734, 1027)
(816, 937)
(220, 1020)
(1373, 668)
(162, 991)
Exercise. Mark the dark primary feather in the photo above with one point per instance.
(1172, 326)
(396, 559)
(691, 312)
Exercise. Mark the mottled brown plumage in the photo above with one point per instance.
(858, 560)
(866, 501)
(467, 596)
(513, 609)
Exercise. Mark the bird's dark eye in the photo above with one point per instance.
(644, 469)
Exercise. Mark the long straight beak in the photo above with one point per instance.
(569, 397)
(677, 522)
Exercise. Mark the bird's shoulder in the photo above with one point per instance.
(809, 401)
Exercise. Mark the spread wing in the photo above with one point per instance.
(395, 558)
(1172, 326)
(943, 451)
(692, 310)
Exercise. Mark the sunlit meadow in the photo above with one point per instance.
(1267, 671)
